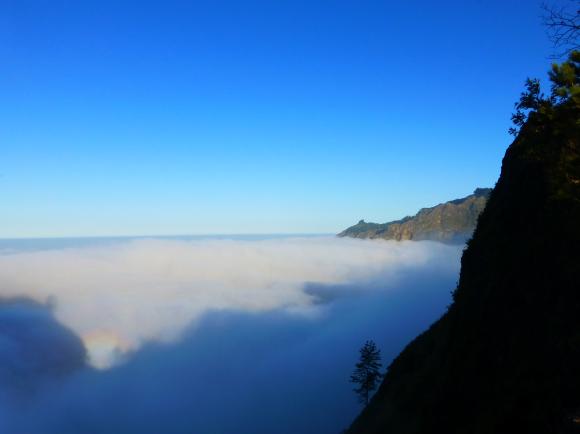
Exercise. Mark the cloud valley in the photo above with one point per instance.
(216, 336)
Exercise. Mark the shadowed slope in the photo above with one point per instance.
(505, 358)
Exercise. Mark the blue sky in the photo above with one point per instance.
(185, 117)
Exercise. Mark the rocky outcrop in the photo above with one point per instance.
(505, 357)
(449, 222)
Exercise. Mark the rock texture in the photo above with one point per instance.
(449, 222)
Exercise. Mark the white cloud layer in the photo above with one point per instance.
(118, 296)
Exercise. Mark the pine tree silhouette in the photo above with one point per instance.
(367, 371)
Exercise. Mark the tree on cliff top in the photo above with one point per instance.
(565, 91)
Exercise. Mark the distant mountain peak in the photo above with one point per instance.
(450, 222)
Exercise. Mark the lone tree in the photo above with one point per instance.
(366, 373)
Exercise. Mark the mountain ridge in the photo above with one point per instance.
(450, 222)
(505, 356)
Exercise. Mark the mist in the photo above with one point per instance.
(219, 336)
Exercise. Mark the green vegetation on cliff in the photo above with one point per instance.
(450, 222)
(505, 358)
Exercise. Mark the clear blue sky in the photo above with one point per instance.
(189, 117)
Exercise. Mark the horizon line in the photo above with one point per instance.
(243, 234)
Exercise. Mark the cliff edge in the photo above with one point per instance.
(505, 358)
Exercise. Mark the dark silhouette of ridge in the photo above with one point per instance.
(505, 358)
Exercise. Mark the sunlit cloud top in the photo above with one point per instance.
(117, 297)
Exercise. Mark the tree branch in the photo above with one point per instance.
(563, 27)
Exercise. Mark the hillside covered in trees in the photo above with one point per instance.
(505, 358)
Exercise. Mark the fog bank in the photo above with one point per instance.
(118, 296)
(210, 337)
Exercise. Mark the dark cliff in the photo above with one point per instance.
(505, 358)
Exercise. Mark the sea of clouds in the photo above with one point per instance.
(210, 335)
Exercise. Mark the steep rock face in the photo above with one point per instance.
(505, 358)
(450, 222)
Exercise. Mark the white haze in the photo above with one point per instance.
(205, 336)
(119, 296)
